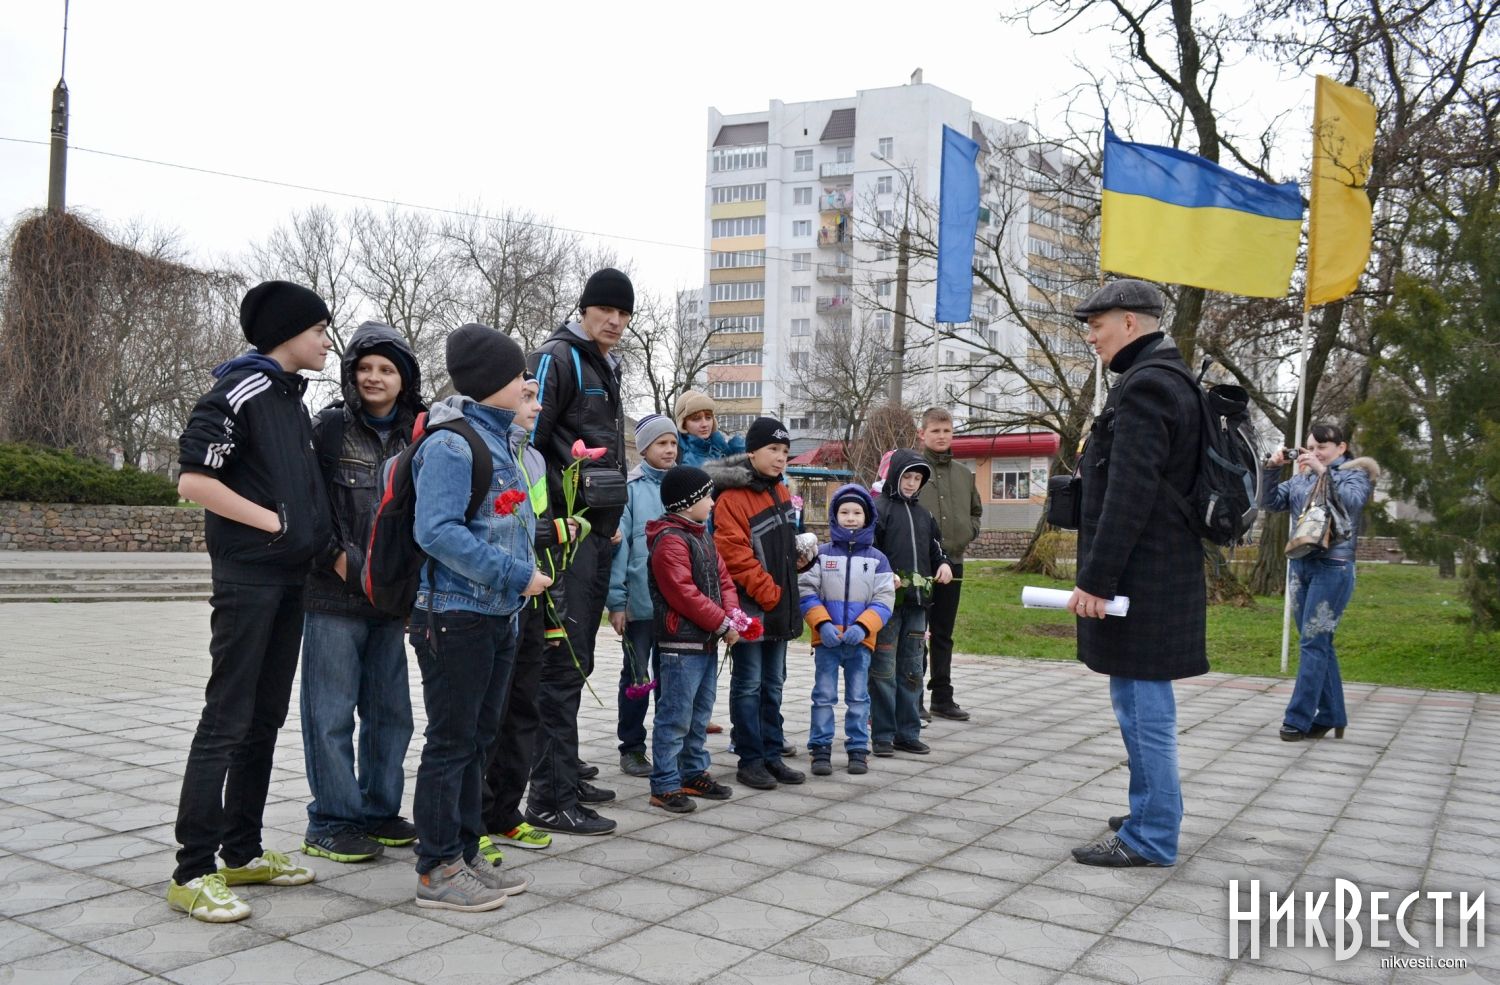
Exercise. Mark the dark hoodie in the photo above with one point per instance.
(351, 449)
(252, 433)
(905, 532)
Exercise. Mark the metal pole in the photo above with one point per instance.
(898, 333)
(1286, 609)
(57, 175)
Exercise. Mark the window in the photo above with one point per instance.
(886, 218)
(884, 251)
(802, 160)
(742, 258)
(885, 288)
(799, 360)
(801, 228)
(735, 423)
(844, 154)
(800, 424)
(883, 321)
(1010, 478)
(736, 357)
(801, 326)
(802, 196)
(801, 294)
(740, 323)
(885, 184)
(738, 158)
(887, 147)
(735, 390)
(751, 291)
(801, 261)
(739, 193)
(750, 225)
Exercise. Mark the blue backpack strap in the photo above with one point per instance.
(577, 366)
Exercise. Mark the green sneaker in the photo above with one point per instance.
(489, 852)
(524, 835)
(271, 868)
(207, 898)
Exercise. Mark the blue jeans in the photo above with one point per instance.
(351, 664)
(1320, 588)
(855, 661)
(684, 704)
(466, 662)
(642, 643)
(756, 676)
(896, 677)
(1147, 713)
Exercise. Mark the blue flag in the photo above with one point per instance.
(958, 220)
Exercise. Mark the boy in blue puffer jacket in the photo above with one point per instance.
(846, 597)
(699, 438)
(629, 597)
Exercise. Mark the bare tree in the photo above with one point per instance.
(842, 377)
(513, 270)
(672, 345)
(314, 248)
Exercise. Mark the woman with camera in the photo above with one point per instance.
(1321, 581)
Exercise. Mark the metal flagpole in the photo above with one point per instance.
(1286, 609)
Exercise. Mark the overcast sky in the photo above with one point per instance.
(591, 113)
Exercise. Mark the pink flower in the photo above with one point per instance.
(796, 502)
(582, 451)
(635, 692)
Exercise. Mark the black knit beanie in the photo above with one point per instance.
(608, 288)
(683, 486)
(277, 310)
(482, 360)
(766, 431)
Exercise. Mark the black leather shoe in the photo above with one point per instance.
(1114, 854)
(590, 794)
(951, 712)
(1289, 734)
(1318, 731)
(587, 772)
(570, 822)
(914, 746)
(1118, 821)
(788, 751)
(785, 774)
(884, 750)
(756, 776)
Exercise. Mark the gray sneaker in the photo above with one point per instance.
(454, 886)
(506, 883)
(635, 763)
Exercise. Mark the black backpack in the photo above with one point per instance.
(393, 561)
(1223, 503)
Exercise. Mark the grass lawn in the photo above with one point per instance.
(1404, 626)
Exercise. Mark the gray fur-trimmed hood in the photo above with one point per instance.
(1368, 465)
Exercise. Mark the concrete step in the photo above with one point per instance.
(194, 584)
(184, 596)
(47, 576)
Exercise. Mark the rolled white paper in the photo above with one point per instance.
(1057, 598)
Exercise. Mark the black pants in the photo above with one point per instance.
(940, 620)
(511, 755)
(466, 660)
(554, 774)
(257, 633)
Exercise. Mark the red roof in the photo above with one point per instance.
(828, 453)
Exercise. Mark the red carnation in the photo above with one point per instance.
(752, 632)
(506, 502)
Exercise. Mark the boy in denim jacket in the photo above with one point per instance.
(463, 626)
(846, 598)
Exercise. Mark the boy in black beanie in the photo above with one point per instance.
(247, 457)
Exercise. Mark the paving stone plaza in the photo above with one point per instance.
(949, 868)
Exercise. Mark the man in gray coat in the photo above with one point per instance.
(1135, 542)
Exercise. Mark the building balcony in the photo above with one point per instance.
(835, 237)
(835, 273)
(840, 170)
(836, 304)
(834, 200)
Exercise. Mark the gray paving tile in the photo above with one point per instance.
(19, 941)
(949, 965)
(930, 919)
(953, 886)
(103, 916)
(177, 943)
(566, 929)
(673, 957)
(27, 886)
(852, 947)
(772, 969)
(277, 962)
(643, 898)
(810, 893)
(376, 938)
(67, 966)
(747, 922)
(473, 960)
(1131, 962)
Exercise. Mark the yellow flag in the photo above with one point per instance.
(1338, 226)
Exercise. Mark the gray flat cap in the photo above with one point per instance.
(1130, 295)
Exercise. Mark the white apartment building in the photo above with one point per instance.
(792, 194)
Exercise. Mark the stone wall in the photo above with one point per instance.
(75, 527)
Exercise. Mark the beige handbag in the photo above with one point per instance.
(1312, 531)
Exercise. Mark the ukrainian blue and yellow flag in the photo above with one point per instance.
(1173, 216)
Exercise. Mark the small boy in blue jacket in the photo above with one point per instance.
(629, 597)
(463, 626)
(846, 597)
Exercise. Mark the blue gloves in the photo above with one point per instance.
(854, 635)
(830, 634)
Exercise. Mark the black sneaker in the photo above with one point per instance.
(678, 802)
(590, 794)
(345, 846)
(1113, 854)
(788, 751)
(885, 750)
(859, 763)
(393, 833)
(950, 711)
(705, 786)
(916, 746)
(756, 776)
(785, 774)
(570, 822)
(922, 712)
(822, 761)
(1117, 822)
(587, 772)
(635, 763)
